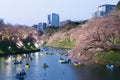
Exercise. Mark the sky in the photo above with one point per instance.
(29, 12)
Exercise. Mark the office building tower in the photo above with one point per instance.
(103, 10)
(44, 26)
(53, 20)
(49, 20)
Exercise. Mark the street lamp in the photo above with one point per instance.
(9, 47)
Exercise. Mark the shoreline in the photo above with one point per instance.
(22, 52)
(57, 47)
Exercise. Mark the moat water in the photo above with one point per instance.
(55, 70)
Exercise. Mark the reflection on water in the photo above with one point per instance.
(37, 56)
(55, 70)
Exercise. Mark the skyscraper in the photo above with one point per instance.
(103, 10)
(53, 20)
(49, 20)
(1, 21)
(44, 26)
(40, 27)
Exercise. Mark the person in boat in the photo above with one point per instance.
(30, 58)
(109, 66)
(17, 62)
(47, 53)
(23, 72)
(45, 65)
(61, 58)
(18, 74)
(27, 65)
(76, 63)
(69, 61)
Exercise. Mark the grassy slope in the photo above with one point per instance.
(111, 57)
(62, 43)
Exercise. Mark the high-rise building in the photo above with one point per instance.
(103, 10)
(39, 27)
(35, 26)
(44, 26)
(54, 20)
(49, 20)
(1, 21)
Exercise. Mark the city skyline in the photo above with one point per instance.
(29, 12)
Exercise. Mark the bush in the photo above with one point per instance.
(111, 57)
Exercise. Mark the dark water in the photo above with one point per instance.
(55, 70)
